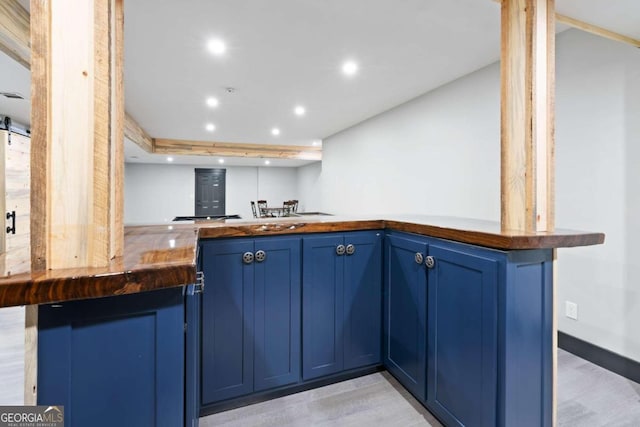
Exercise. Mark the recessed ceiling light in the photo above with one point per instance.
(299, 110)
(220, 160)
(210, 127)
(350, 68)
(275, 131)
(212, 102)
(315, 143)
(169, 159)
(217, 47)
(267, 162)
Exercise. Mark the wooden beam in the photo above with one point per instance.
(135, 133)
(116, 205)
(232, 149)
(15, 41)
(527, 115)
(593, 29)
(14, 31)
(75, 119)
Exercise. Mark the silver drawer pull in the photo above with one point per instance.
(351, 249)
(419, 258)
(340, 249)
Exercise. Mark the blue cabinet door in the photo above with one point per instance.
(322, 306)
(405, 311)
(227, 320)
(115, 361)
(462, 350)
(277, 313)
(362, 299)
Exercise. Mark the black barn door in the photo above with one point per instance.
(210, 192)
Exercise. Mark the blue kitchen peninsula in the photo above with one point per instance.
(459, 311)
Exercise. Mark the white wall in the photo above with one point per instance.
(12, 355)
(439, 154)
(157, 193)
(433, 155)
(598, 159)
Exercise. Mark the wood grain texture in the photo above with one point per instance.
(599, 31)
(14, 31)
(206, 148)
(116, 204)
(165, 255)
(593, 29)
(527, 114)
(155, 258)
(16, 182)
(136, 134)
(98, 236)
(277, 227)
(76, 163)
(40, 132)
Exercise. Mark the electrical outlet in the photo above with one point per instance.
(571, 310)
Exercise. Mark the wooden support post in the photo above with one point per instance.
(77, 121)
(527, 115)
(528, 127)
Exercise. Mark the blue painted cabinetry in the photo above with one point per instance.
(115, 361)
(468, 330)
(405, 311)
(462, 335)
(341, 310)
(250, 316)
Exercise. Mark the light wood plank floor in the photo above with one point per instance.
(587, 396)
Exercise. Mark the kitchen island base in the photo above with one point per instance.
(115, 361)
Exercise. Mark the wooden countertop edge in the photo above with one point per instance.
(49, 290)
(500, 241)
(269, 229)
(56, 286)
(480, 238)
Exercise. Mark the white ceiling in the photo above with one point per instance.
(287, 52)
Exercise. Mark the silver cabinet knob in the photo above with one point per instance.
(351, 249)
(340, 249)
(430, 262)
(247, 257)
(261, 256)
(419, 258)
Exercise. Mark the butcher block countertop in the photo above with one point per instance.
(161, 256)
